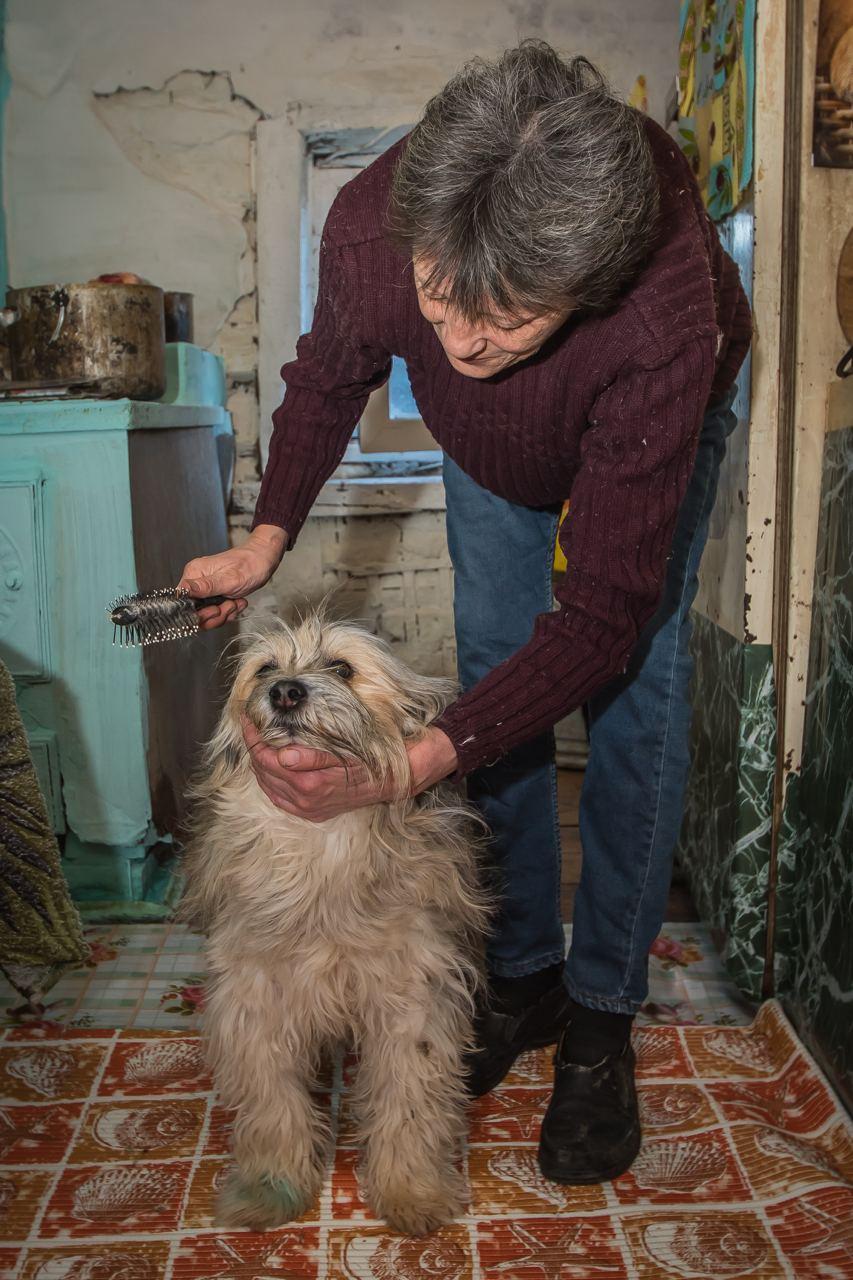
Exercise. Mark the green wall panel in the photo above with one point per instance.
(815, 939)
(725, 840)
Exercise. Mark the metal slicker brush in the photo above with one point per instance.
(150, 617)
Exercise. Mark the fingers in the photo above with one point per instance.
(216, 615)
(305, 759)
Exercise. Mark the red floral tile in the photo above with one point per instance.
(674, 1108)
(136, 1260)
(113, 1199)
(508, 1115)
(574, 1248)
(796, 1101)
(21, 1195)
(291, 1252)
(37, 1135)
(362, 1253)
(660, 1054)
(689, 1169)
(156, 1066)
(666, 1244)
(508, 1180)
(155, 1129)
(49, 1072)
(815, 1232)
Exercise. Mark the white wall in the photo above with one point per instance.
(83, 196)
(124, 152)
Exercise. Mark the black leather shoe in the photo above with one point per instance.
(591, 1130)
(501, 1037)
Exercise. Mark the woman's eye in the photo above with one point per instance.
(342, 669)
(265, 669)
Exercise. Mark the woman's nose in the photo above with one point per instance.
(461, 340)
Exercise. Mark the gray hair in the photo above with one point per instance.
(527, 186)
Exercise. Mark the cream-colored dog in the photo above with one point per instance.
(364, 927)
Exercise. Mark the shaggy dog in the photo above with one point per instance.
(363, 928)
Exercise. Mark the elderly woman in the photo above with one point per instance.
(539, 255)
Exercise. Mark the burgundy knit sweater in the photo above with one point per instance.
(608, 413)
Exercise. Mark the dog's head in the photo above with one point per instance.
(334, 687)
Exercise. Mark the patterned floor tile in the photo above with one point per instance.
(114, 1199)
(689, 1169)
(815, 1232)
(508, 1115)
(789, 1102)
(674, 1108)
(153, 1066)
(370, 1253)
(143, 1260)
(660, 1055)
(507, 1180)
(542, 1248)
(292, 1254)
(37, 1134)
(22, 1193)
(160, 1130)
(31, 1072)
(665, 1245)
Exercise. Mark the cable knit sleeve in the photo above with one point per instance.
(637, 455)
(326, 389)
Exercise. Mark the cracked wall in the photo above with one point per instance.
(130, 146)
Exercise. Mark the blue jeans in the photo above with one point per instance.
(633, 793)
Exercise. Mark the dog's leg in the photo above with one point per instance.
(262, 1056)
(411, 1103)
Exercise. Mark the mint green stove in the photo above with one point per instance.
(99, 498)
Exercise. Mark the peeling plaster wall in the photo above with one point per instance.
(130, 144)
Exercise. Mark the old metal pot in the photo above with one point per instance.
(110, 335)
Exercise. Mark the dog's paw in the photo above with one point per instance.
(260, 1203)
(418, 1212)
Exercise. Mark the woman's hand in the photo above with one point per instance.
(235, 573)
(316, 786)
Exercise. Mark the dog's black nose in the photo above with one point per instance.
(286, 694)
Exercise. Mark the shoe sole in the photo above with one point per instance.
(553, 1174)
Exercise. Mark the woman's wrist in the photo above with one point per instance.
(270, 541)
(431, 758)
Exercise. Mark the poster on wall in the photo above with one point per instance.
(716, 90)
(833, 98)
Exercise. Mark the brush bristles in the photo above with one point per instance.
(150, 617)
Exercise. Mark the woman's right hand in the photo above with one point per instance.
(235, 573)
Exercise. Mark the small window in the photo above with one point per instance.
(391, 439)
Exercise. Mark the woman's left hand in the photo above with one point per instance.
(317, 787)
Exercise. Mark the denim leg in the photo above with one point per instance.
(633, 793)
(502, 556)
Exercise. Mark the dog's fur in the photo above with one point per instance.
(366, 927)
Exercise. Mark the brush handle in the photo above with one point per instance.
(204, 602)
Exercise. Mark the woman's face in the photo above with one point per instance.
(485, 348)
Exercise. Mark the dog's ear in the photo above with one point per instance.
(423, 698)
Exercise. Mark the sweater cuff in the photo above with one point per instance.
(473, 751)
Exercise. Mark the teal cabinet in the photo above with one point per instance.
(96, 499)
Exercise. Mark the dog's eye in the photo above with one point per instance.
(266, 669)
(342, 669)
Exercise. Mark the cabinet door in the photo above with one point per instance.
(24, 634)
